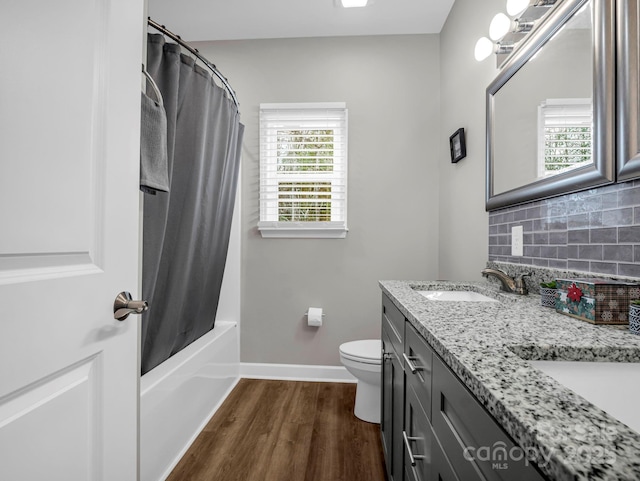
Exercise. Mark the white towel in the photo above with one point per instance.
(154, 173)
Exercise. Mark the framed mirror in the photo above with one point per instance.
(628, 85)
(550, 111)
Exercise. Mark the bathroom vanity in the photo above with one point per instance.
(462, 401)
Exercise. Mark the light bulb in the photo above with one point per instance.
(484, 48)
(354, 3)
(516, 7)
(499, 27)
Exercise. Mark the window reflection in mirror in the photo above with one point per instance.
(543, 116)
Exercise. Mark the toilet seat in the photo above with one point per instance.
(368, 351)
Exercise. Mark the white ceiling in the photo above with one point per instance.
(196, 20)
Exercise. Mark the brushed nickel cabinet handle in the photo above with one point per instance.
(412, 457)
(412, 367)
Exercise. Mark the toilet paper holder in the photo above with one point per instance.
(315, 316)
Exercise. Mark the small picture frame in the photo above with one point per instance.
(457, 146)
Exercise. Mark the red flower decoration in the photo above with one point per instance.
(574, 293)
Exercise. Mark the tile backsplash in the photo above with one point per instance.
(594, 231)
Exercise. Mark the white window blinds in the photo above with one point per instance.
(564, 135)
(303, 170)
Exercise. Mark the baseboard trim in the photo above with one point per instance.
(295, 372)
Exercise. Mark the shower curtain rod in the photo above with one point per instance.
(194, 51)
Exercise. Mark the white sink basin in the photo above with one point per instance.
(466, 296)
(612, 386)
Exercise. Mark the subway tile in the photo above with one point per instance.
(508, 216)
(631, 270)
(572, 251)
(621, 253)
(636, 215)
(541, 262)
(560, 238)
(563, 252)
(504, 240)
(503, 228)
(493, 240)
(519, 215)
(534, 212)
(558, 264)
(541, 238)
(531, 251)
(629, 234)
(538, 225)
(577, 221)
(590, 252)
(558, 223)
(610, 268)
(636, 253)
(582, 202)
(527, 260)
(527, 225)
(580, 266)
(549, 252)
(629, 197)
(578, 236)
(556, 207)
(496, 218)
(595, 219)
(493, 230)
(607, 235)
(610, 200)
(494, 250)
(527, 239)
(617, 217)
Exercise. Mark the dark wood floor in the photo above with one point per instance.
(285, 431)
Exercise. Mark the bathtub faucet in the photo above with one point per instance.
(508, 284)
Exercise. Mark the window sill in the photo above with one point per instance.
(302, 230)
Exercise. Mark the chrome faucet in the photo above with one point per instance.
(508, 284)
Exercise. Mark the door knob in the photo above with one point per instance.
(124, 305)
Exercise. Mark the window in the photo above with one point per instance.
(303, 170)
(564, 135)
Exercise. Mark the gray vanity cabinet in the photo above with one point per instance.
(392, 405)
(432, 427)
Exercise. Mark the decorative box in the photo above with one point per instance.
(598, 301)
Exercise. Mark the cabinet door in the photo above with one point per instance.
(392, 408)
(386, 404)
(418, 366)
(417, 438)
(395, 321)
(441, 469)
(473, 441)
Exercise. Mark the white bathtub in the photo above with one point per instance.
(178, 398)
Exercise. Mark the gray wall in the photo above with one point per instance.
(391, 86)
(463, 226)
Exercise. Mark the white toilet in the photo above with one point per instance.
(362, 359)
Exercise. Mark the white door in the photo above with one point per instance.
(69, 150)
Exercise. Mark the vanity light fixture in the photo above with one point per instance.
(516, 7)
(502, 25)
(354, 3)
(485, 47)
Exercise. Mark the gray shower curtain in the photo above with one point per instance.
(186, 230)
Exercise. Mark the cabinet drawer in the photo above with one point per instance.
(418, 366)
(463, 426)
(417, 439)
(395, 320)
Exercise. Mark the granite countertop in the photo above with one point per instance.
(486, 344)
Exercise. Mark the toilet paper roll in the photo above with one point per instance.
(314, 316)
